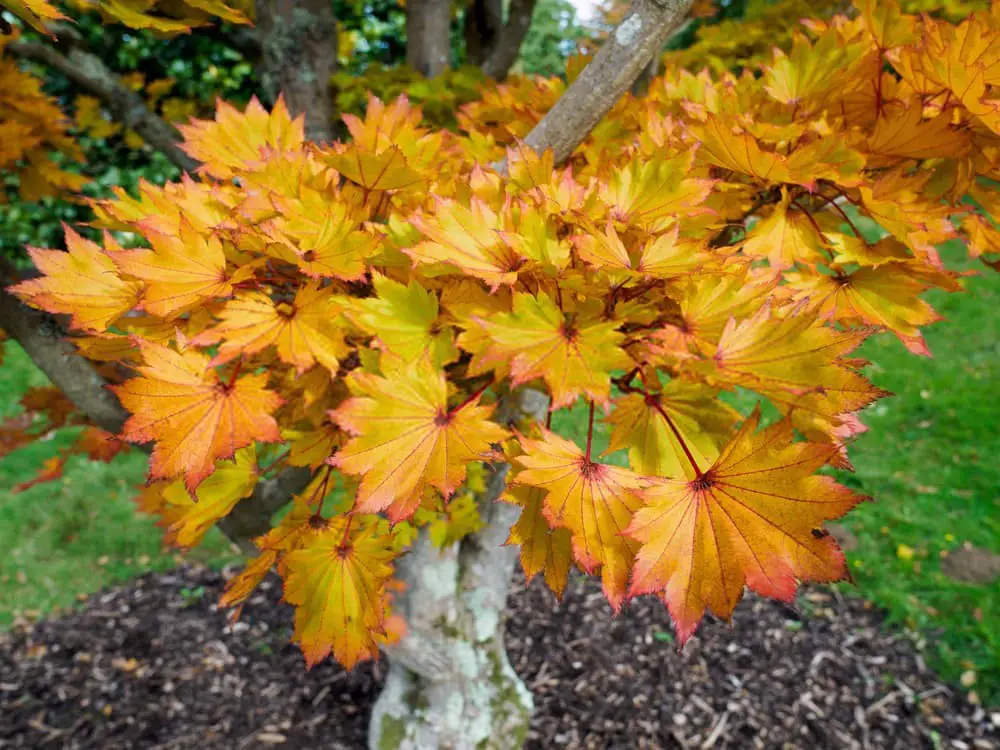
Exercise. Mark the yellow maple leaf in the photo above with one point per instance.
(82, 282)
(337, 584)
(404, 318)
(640, 424)
(406, 437)
(573, 353)
(305, 330)
(543, 548)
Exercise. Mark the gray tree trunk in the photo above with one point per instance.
(428, 36)
(450, 684)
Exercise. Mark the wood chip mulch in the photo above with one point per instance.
(154, 665)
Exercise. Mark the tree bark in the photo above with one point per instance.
(428, 36)
(450, 684)
(504, 51)
(298, 43)
(628, 49)
(483, 24)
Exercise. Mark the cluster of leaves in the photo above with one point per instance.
(361, 308)
(36, 138)
(48, 155)
(731, 41)
(170, 17)
(439, 98)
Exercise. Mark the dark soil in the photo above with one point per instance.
(154, 665)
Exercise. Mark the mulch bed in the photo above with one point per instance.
(154, 665)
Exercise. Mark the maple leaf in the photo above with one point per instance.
(304, 331)
(83, 283)
(543, 549)
(641, 425)
(188, 520)
(179, 272)
(785, 237)
(887, 297)
(798, 363)
(406, 437)
(337, 584)
(321, 236)
(404, 318)
(194, 418)
(573, 353)
(467, 239)
(653, 195)
(236, 140)
(387, 170)
(753, 518)
(36, 13)
(594, 501)
(665, 256)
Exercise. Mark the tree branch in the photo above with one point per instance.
(42, 339)
(609, 75)
(89, 72)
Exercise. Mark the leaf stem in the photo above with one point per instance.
(590, 431)
(478, 392)
(677, 434)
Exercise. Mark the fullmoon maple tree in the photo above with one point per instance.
(365, 314)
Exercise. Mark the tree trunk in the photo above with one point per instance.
(507, 44)
(428, 36)
(298, 42)
(483, 24)
(450, 684)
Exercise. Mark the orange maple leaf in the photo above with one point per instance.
(754, 518)
(407, 438)
(83, 283)
(194, 418)
(594, 501)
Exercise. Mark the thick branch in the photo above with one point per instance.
(610, 74)
(298, 40)
(505, 48)
(127, 107)
(42, 339)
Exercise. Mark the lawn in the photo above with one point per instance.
(931, 461)
(77, 534)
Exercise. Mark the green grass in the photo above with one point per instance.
(931, 461)
(78, 533)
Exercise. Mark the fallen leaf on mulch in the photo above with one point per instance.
(777, 679)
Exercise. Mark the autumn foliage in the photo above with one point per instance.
(361, 308)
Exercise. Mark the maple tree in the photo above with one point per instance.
(377, 331)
